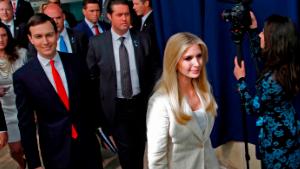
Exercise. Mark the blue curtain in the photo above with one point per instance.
(203, 18)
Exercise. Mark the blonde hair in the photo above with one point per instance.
(168, 83)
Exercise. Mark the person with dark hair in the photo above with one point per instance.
(125, 69)
(143, 9)
(53, 95)
(278, 83)
(3, 129)
(69, 41)
(91, 25)
(11, 59)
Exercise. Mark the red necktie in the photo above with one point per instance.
(96, 29)
(62, 93)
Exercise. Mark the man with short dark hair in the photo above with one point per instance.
(53, 93)
(126, 70)
(69, 41)
(143, 9)
(91, 25)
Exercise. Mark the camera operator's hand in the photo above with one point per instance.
(253, 21)
(239, 72)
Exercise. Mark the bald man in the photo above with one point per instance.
(69, 41)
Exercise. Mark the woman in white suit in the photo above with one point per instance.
(182, 109)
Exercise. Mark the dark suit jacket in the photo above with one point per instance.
(83, 27)
(78, 41)
(36, 95)
(101, 62)
(2, 120)
(149, 28)
(21, 35)
(23, 12)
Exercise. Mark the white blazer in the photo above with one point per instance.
(175, 146)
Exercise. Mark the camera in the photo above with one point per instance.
(239, 17)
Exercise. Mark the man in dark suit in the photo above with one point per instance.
(3, 129)
(69, 41)
(52, 92)
(91, 25)
(121, 60)
(22, 11)
(17, 29)
(143, 9)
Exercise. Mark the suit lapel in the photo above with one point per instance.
(72, 40)
(110, 52)
(89, 31)
(43, 80)
(69, 76)
(193, 123)
(16, 31)
(148, 21)
(46, 85)
(137, 51)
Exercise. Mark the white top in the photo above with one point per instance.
(132, 63)
(201, 117)
(59, 67)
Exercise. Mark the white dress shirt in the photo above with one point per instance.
(59, 67)
(132, 63)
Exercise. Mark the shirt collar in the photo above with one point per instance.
(10, 23)
(64, 32)
(146, 16)
(116, 36)
(90, 24)
(45, 61)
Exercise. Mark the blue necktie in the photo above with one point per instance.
(62, 45)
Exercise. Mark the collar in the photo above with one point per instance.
(45, 61)
(146, 16)
(90, 24)
(64, 32)
(10, 23)
(116, 36)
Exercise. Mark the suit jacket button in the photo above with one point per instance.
(200, 145)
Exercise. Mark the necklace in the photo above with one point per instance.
(5, 67)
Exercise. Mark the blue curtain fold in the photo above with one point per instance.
(203, 18)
